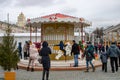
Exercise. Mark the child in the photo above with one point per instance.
(103, 58)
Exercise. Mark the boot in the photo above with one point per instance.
(27, 68)
(43, 75)
(17, 68)
(87, 70)
(32, 69)
(94, 69)
(47, 75)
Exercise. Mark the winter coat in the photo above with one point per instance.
(88, 55)
(107, 47)
(19, 48)
(103, 57)
(119, 47)
(90, 49)
(25, 48)
(44, 52)
(33, 51)
(113, 51)
(103, 48)
(75, 49)
(61, 44)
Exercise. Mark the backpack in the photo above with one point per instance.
(91, 49)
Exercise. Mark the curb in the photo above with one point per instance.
(57, 68)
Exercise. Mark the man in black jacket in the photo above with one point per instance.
(75, 51)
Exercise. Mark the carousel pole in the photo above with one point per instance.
(82, 32)
(65, 34)
(65, 41)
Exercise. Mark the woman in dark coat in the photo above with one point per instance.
(44, 52)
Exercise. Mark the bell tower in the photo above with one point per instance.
(21, 20)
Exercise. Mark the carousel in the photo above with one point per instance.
(55, 28)
(58, 27)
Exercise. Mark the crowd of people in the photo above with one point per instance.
(111, 52)
(105, 52)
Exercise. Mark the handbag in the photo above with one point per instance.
(40, 59)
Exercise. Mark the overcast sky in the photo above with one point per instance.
(101, 13)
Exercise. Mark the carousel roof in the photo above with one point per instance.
(57, 17)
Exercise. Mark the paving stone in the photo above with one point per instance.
(70, 75)
(67, 75)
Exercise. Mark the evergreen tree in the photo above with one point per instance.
(8, 51)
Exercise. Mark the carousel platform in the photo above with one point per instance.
(58, 65)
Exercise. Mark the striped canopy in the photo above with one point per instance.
(57, 17)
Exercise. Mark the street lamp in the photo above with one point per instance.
(28, 20)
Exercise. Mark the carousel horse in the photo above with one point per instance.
(67, 49)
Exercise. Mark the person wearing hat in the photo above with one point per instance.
(89, 54)
(113, 52)
(33, 56)
(44, 53)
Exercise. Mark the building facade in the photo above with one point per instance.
(112, 34)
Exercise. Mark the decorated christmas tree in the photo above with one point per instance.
(8, 51)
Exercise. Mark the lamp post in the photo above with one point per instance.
(90, 35)
(28, 20)
(89, 31)
(93, 37)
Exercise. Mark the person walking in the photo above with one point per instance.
(113, 52)
(20, 49)
(88, 53)
(25, 48)
(33, 56)
(76, 52)
(44, 53)
(119, 56)
(104, 57)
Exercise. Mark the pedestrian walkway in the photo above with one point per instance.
(67, 75)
